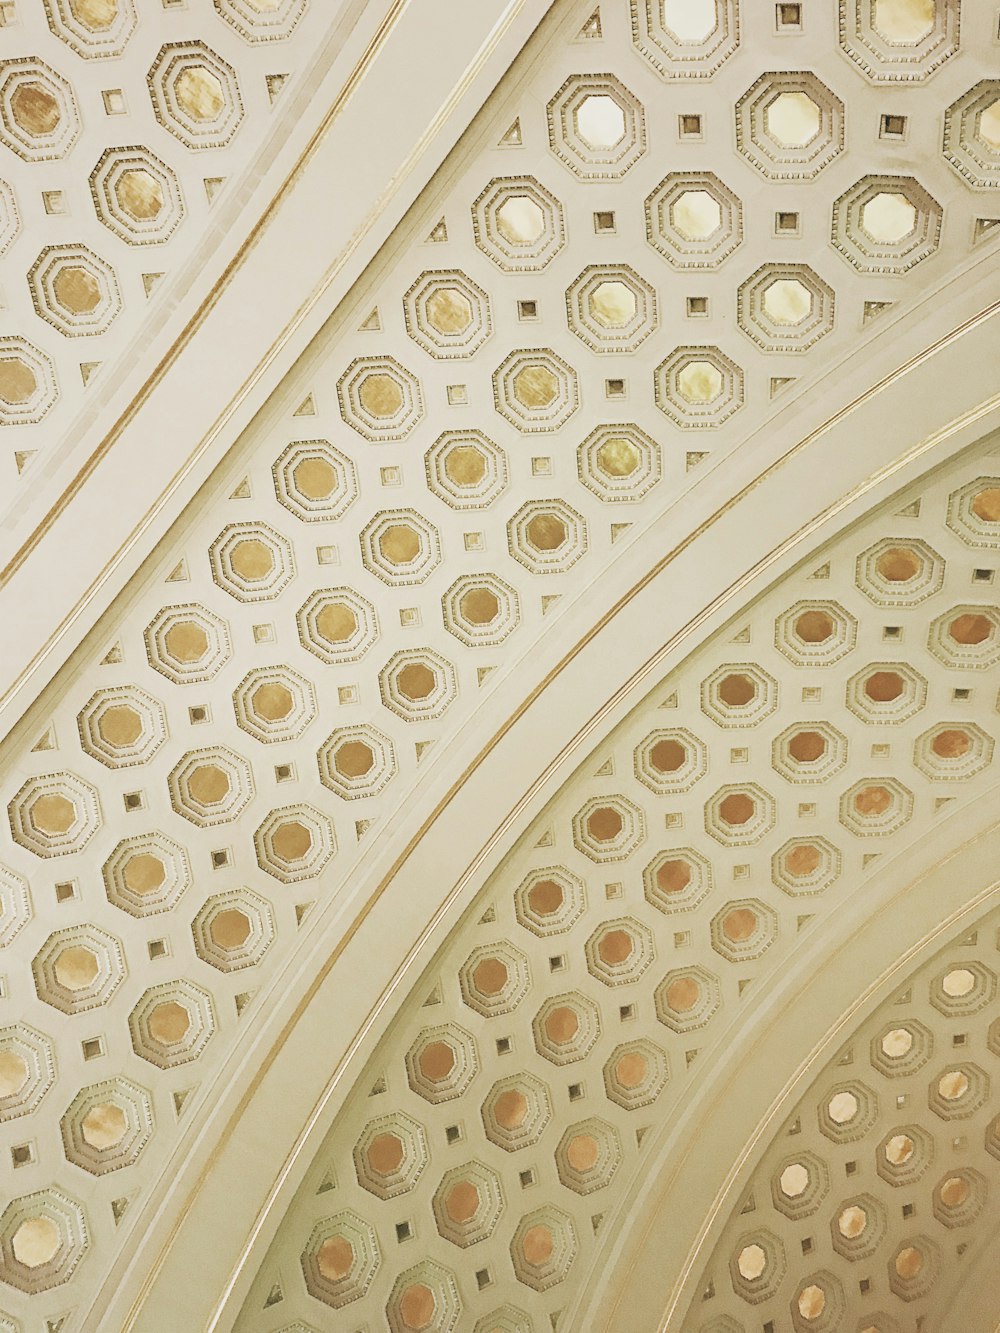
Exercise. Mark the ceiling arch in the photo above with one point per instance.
(642, 345)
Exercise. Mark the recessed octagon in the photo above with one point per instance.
(211, 786)
(43, 1237)
(337, 625)
(886, 224)
(417, 684)
(442, 1063)
(785, 308)
(39, 120)
(465, 469)
(671, 761)
(252, 562)
(543, 1248)
(74, 290)
(27, 1070)
(400, 547)
(809, 752)
(262, 20)
(972, 134)
(904, 1154)
(54, 814)
(799, 1185)
(92, 27)
(901, 1047)
(596, 126)
(467, 1204)
(685, 39)
(380, 398)
(895, 41)
(677, 880)
(136, 196)
(187, 644)
(875, 807)
(805, 866)
(635, 1074)
(694, 220)
(817, 633)
(107, 1126)
(847, 1112)
(566, 1028)
(619, 462)
(28, 387)
(739, 695)
(147, 874)
(390, 1155)
(10, 220)
(494, 979)
(122, 726)
(550, 900)
(744, 930)
(172, 1024)
(953, 751)
(518, 224)
(78, 969)
(315, 481)
(966, 636)
(740, 814)
(886, 692)
(357, 761)
(588, 1155)
(610, 308)
(536, 390)
(424, 1297)
(274, 704)
(447, 314)
(899, 571)
(233, 930)
(15, 904)
(516, 1111)
(789, 125)
(698, 387)
(974, 511)
(608, 828)
(295, 843)
(619, 951)
(547, 536)
(687, 998)
(195, 95)
(340, 1259)
(481, 610)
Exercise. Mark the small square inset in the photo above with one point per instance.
(901, 1101)
(812, 694)
(880, 751)
(697, 307)
(22, 1154)
(8, 13)
(157, 948)
(483, 1278)
(741, 871)
(604, 221)
(983, 575)
(851, 1168)
(739, 754)
(806, 810)
(786, 223)
(527, 1178)
(54, 201)
(959, 1038)
(347, 694)
(66, 891)
(892, 631)
(403, 1231)
(175, 4)
(134, 800)
(541, 467)
(575, 1091)
(907, 1210)
(557, 963)
(391, 476)
(284, 772)
(959, 1143)
(689, 126)
(409, 616)
(263, 633)
(682, 938)
(504, 1045)
(626, 1012)
(458, 395)
(614, 388)
(807, 1244)
(865, 1286)
(673, 819)
(220, 858)
(92, 1047)
(474, 541)
(892, 126)
(961, 694)
(198, 714)
(114, 102)
(453, 1133)
(788, 17)
(613, 891)
(527, 309)
(327, 555)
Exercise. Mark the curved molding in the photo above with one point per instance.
(821, 466)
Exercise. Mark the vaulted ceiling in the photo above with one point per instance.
(500, 654)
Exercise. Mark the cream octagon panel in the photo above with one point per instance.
(505, 399)
(729, 816)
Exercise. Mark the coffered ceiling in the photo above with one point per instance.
(559, 612)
